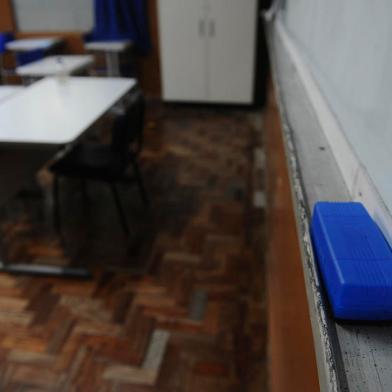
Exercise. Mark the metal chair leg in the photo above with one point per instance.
(56, 201)
(84, 191)
(120, 209)
(140, 184)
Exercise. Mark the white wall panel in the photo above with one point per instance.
(347, 46)
(54, 15)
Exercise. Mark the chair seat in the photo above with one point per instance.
(91, 161)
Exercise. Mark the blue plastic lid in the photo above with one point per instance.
(354, 259)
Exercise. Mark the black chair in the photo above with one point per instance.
(107, 163)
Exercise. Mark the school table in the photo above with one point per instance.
(40, 119)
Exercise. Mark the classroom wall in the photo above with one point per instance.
(38, 15)
(6, 16)
(148, 66)
(347, 47)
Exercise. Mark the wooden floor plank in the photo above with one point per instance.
(176, 307)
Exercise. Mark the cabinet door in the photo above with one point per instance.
(183, 49)
(231, 50)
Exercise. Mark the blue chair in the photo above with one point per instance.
(4, 38)
(23, 58)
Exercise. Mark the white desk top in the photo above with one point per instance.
(55, 111)
(108, 46)
(24, 45)
(54, 65)
(8, 91)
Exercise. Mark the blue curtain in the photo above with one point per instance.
(121, 19)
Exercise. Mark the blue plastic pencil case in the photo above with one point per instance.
(355, 261)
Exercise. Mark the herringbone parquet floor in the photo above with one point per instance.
(180, 306)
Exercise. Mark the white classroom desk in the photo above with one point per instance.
(111, 50)
(57, 111)
(35, 122)
(8, 91)
(27, 44)
(55, 65)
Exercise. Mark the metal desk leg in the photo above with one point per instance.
(41, 269)
(112, 64)
(19, 165)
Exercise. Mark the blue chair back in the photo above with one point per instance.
(30, 56)
(4, 38)
(21, 57)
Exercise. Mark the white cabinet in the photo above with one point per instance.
(208, 50)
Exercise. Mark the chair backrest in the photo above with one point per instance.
(128, 128)
(23, 58)
(4, 38)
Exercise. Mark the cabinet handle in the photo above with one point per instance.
(212, 28)
(201, 27)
